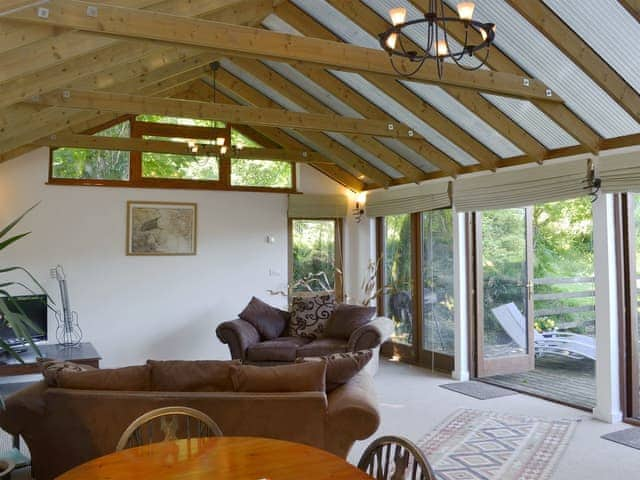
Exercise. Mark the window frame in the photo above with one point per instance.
(136, 180)
(338, 242)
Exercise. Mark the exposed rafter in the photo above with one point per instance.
(177, 148)
(137, 104)
(547, 22)
(373, 24)
(289, 90)
(633, 7)
(497, 60)
(258, 43)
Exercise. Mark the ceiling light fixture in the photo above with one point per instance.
(398, 43)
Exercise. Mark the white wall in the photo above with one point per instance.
(134, 308)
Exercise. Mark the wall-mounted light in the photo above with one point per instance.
(358, 210)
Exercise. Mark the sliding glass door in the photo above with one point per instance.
(417, 280)
(504, 276)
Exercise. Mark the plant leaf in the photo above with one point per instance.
(8, 228)
(4, 244)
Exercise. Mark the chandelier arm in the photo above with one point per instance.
(477, 67)
(413, 72)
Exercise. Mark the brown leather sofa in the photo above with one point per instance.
(245, 342)
(65, 427)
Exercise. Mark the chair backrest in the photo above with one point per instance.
(395, 458)
(168, 423)
(513, 322)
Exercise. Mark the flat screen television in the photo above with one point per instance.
(35, 308)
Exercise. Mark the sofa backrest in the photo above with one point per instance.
(89, 422)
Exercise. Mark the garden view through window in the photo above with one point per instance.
(314, 254)
(106, 165)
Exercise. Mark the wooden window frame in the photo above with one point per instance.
(339, 254)
(415, 353)
(136, 180)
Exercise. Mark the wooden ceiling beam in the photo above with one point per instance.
(167, 79)
(70, 140)
(344, 157)
(572, 45)
(291, 91)
(370, 21)
(71, 45)
(137, 104)
(498, 61)
(259, 43)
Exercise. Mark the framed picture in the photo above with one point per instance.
(161, 228)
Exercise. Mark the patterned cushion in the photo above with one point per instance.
(52, 368)
(309, 315)
(342, 367)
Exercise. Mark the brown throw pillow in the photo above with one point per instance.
(191, 375)
(51, 369)
(348, 318)
(309, 315)
(296, 377)
(135, 378)
(269, 321)
(342, 367)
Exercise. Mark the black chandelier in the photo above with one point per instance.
(437, 45)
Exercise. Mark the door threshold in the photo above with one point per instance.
(535, 395)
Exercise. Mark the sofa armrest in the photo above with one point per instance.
(371, 335)
(239, 335)
(352, 414)
(22, 408)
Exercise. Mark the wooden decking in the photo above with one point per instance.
(556, 378)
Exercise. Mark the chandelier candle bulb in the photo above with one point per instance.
(220, 141)
(223, 150)
(465, 10)
(441, 48)
(391, 41)
(398, 15)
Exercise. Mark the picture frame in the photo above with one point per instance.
(161, 228)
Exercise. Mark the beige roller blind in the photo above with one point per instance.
(416, 198)
(519, 188)
(620, 173)
(318, 206)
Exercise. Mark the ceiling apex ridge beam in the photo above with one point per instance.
(128, 103)
(261, 43)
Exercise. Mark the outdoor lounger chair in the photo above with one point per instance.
(556, 343)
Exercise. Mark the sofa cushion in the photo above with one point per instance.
(295, 377)
(282, 349)
(342, 367)
(322, 346)
(345, 319)
(269, 321)
(52, 368)
(134, 378)
(192, 376)
(309, 314)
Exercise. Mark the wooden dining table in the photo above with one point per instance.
(219, 458)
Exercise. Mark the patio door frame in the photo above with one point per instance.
(415, 353)
(486, 367)
(628, 293)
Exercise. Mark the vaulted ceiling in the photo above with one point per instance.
(309, 75)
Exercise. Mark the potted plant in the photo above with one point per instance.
(11, 314)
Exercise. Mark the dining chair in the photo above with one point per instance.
(164, 424)
(395, 458)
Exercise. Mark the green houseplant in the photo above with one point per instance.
(11, 314)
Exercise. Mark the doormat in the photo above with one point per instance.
(475, 444)
(629, 437)
(478, 390)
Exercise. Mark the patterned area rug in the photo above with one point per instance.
(480, 445)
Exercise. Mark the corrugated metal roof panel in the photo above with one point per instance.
(543, 60)
(404, 151)
(313, 89)
(399, 112)
(361, 152)
(534, 121)
(260, 86)
(465, 118)
(608, 38)
(275, 23)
